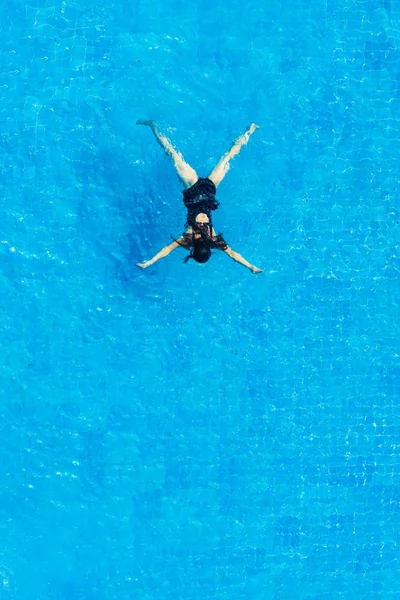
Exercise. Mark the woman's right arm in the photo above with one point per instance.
(238, 258)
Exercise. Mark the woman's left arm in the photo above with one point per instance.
(162, 254)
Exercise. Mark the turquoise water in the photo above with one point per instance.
(197, 432)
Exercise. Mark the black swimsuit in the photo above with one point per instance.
(200, 198)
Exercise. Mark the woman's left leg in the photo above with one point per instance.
(186, 173)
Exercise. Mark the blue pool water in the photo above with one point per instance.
(197, 432)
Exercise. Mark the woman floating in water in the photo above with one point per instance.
(199, 199)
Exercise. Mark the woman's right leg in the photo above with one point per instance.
(222, 167)
(186, 174)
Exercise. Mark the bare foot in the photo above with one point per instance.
(253, 127)
(150, 123)
(244, 139)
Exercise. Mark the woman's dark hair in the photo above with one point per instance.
(200, 249)
(201, 252)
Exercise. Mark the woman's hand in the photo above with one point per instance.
(254, 269)
(144, 264)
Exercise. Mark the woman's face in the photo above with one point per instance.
(202, 219)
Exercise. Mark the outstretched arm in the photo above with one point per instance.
(162, 254)
(238, 258)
